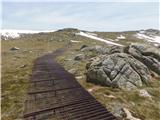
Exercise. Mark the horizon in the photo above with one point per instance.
(91, 16)
(52, 30)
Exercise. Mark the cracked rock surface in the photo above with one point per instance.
(117, 70)
(147, 54)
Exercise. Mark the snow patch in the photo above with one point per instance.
(121, 37)
(93, 34)
(157, 45)
(24, 31)
(97, 38)
(116, 40)
(148, 38)
(142, 31)
(9, 33)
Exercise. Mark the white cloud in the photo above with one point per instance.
(88, 16)
(77, 1)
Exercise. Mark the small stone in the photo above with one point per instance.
(93, 88)
(74, 41)
(144, 93)
(79, 57)
(67, 59)
(73, 71)
(90, 90)
(118, 110)
(129, 115)
(109, 96)
(14, 48)
(79, 77)
(22, 66)
(83, 46)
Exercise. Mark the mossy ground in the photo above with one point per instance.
(17, 65)
(16, 71)
(140, 107)
(15, 76)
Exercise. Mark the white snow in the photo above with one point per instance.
(9, 33)
(142, 31)
(97, 38)
(148, 38)
(121, 37)
(93, 34)
(24, 31)
(74, 41)
(116, 40)
(156, 44)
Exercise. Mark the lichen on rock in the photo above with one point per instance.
(118, 70)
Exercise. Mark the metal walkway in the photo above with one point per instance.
(54, 94)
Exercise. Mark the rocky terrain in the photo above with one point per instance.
(120, 69)
(125, 68)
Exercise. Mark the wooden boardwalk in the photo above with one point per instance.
(54, 94)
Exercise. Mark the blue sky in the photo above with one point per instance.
(94, 16)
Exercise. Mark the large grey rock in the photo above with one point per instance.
(117, 70)
(149, 55)
(116, 49)
(103, 50)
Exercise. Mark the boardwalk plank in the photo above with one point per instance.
(55, 93)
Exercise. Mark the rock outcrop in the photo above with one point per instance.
(123, 67)
(116, 49)
(118, 70)
(102, 50)
(98, 49)
(147, 54)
